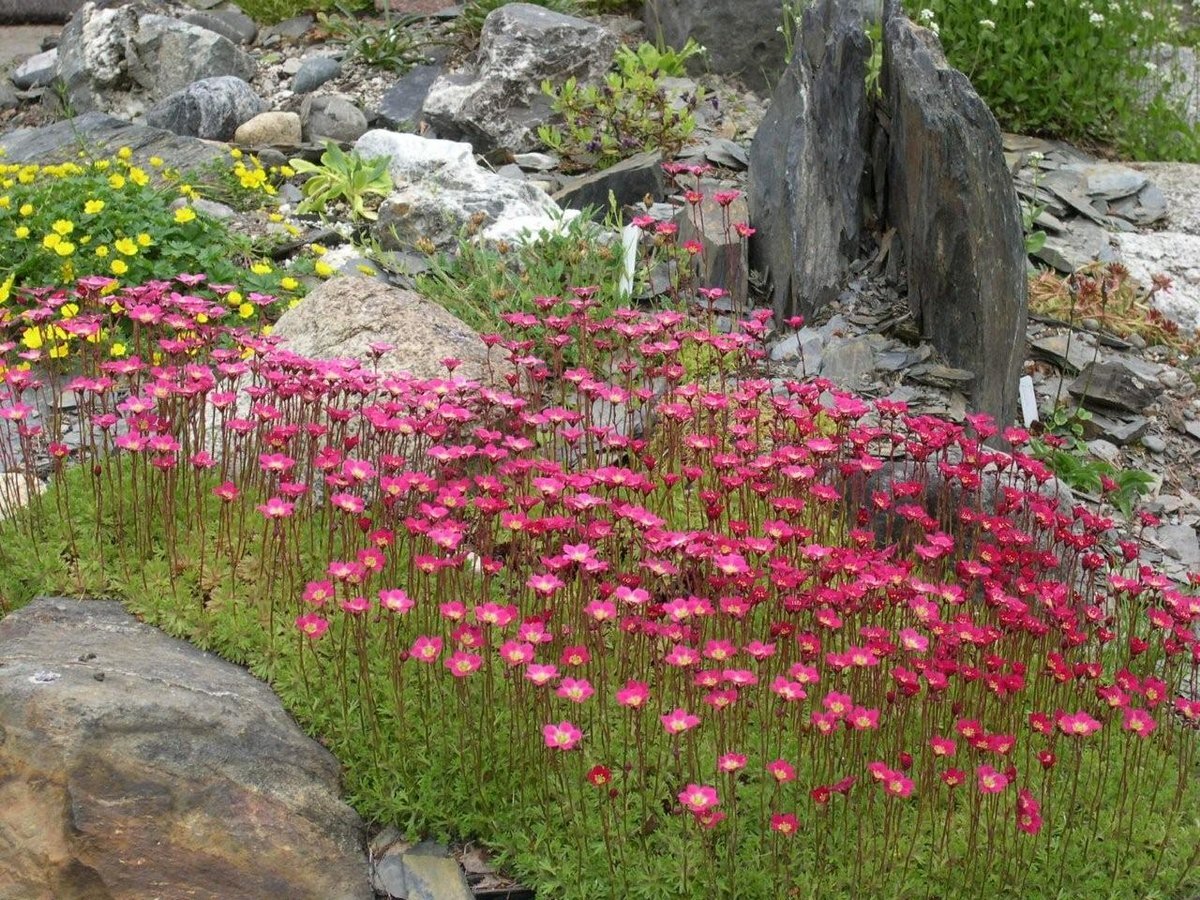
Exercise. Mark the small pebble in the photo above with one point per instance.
(1154, 443)
(99, 676)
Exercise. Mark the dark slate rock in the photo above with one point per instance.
(314, 72)
(400, 107)
(807, 163)
(331, 117)
(629, 180)
(103, 135)
(1117, 384)
(36, 12)
(228, 21)
(289, 31)
(741, 35)
(958, 224)
(726, 153)
(166, 55)
(211, 108)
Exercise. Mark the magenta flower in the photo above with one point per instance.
(563, 736)
(426, 649)
(395, 600)
(634, 694)
(312, 625)
(678, 721)
(577, 690)
(699, 798)
(1078, 724)
(276, 508)
(991, 781)
(462, 663)
(1139, 722)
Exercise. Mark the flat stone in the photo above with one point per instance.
(536, 162)
(729, 155)
(136, 765)
(1116, 431)
(630, 181)
(848, 362)
(1154, 443)
(1069, 352)
(331, 117)
(1180, 184)
(1179, 542)
(1114, 383)
(1146, 207)
(1080, 244)
(228, 21)
(1108, 181)
(1102, 449)
(424, 872)
(723, 261)
(290, 31)
(104, 135)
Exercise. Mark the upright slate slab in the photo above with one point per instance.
(807, 162)
(951, 200)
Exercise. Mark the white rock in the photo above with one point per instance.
(1176, 256)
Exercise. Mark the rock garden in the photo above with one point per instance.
(590, 448)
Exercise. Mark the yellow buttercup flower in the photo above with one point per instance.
(126, 246)
(202, 318)
(118, 267)
(5, 202)
(31, 338)
(117, 349)
(6, 287)
(235, 153)
(275, 217)
(288, 283)
(156, 161)
(139, 177)
(93, 206)
(63, 227)
(21, 232)
(323, 268)
(26, 209)
(69, 310)
(116, 182)
(102, 251)
(266, 329)
(144, 240)
(261, 268)
(51, 241)
(64, 248)
(125, 153)
(246, 310)
(185, 214)
(319, 249)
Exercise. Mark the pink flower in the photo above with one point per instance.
(395, 600)
(1078, 724)
(426, 649)
(1139, 722)
(897, 784)
(634, 694)
(991, 781)
(1029, 818)
(312, 625)
(678, 721)
(461, 663)
(356, 605)
(318, 592)
(731, 762)
(942, 746)
(544, 584)
(576, 690)
(516, 653)
(563, 736)
(276, 508)
(541, 673)
(699, 798)
(785, 823)
(781, 770)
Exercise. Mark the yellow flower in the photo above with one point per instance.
(102, 251)
(288, 283)
(51, 241)
(118, 267)
(125, 153)
(5, 202)
(85, 239)
(266, 329)
(287, 171)
(144, 240)
(235, 153)
(117, 349)
(63, 227)
(319, 249)
(64, 248)
(261, 268)
(139, 177)
(156, 161)
(185, 214)
(69, 310)
(93, 206)
(6, 287)
(246, 310)
(291, 229)
(116, 182)
(234, 298)
(275, 217)
(32, 338)
(101, 165)
(126, 246)
(116, 308)
(21, 232)
(26, 209)
(323, 268)
(58, 351)
(293, 303)
(202, 318)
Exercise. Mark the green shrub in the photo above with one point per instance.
(1076, 69)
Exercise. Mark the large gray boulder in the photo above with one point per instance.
(441, 190)
(499, 105)
(135, 765)
(345, 315)
(211, 108)
(110, 54)
(958, 225)
(807, 162)
(742, 37)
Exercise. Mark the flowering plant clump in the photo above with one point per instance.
(116, 218)
(1073, 68)
(759, 646)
